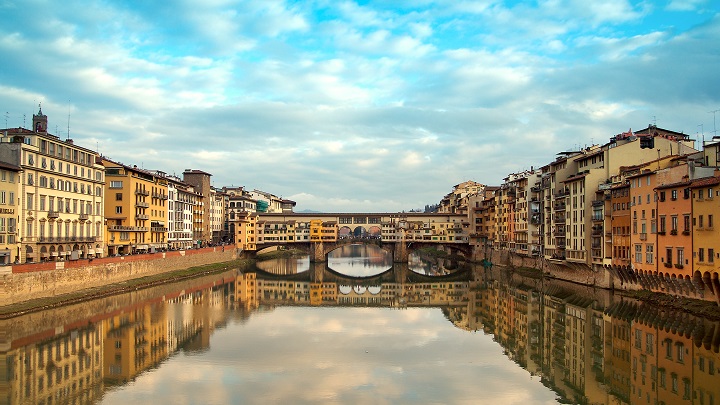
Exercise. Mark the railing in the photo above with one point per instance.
(158, 229)
(142, 216)
(643, 236)
(125, 228)
(53, 214)
(559, 207)
(142, 192)
(598, 203)
(160, 196)
(66, 239)
(84, 217)
(142, 204)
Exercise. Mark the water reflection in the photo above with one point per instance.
(250, 331)
(360, 260)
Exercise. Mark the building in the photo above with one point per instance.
(60, 198)
(136, 207)
(200, 180)
(9, 192)
(182, 202)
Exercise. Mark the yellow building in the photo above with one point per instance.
(60, 200)
(9, 190)
(136, 208)
(323, 231)
(706, 238)
(244, 225)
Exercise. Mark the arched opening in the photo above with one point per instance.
(360, 232)
(345, 232)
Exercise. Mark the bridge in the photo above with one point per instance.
(320, 233)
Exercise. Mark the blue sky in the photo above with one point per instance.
(372, 106)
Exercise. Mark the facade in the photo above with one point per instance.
(10, 176)
(200, 180)
(182, 202)
(136, 207)
(705, 237)
(60, 197)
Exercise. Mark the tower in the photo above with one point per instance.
(39, 123)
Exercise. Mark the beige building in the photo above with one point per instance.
(9, 191)
(60, 201)
(182, 202)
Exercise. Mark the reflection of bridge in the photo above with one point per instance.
(321, 285)
(319, 234)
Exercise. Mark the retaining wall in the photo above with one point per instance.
(42, 280)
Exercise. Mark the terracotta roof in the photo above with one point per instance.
(673, 185)
(705, 181)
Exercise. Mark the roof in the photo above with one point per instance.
(575, 177)
(705, 181)
(673, 185)
(195, 171)
(9, 166)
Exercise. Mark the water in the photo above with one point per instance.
(308, 333)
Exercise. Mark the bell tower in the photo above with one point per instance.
(39, 121)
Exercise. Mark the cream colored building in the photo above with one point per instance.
(60, 201)
(9, 192)
(182, 199)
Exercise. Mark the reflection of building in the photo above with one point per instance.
(134, 341)
(65, 368)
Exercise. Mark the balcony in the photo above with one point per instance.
(562, 193)
(668, 264)
(53, 214)
(673, 232)
(125, 228)
(160, 196)
(142, 192)
(598, 203)
(559, 207)
(142, 216)
(643, 236)
(158, 229)
(84, 217)
(560, 220)
(142, 204)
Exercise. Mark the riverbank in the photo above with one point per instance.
(40, 304)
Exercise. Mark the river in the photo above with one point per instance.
(360, 329)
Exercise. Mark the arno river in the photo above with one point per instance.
(359, 329)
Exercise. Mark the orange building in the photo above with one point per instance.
(620, 224)
(674, 226)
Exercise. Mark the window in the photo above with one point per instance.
(638, 339)
(701, 254)
(118, 196)
(12, 198)
(686, 223)
(674, 223)
(649, 343)
(649, 253)
(30, 201)
(680, 353)
(662, 223)
(668, 256)
(710, 221)
(116, 184)
(673, 195)
(118, 209)
(674, 379)
(638, 253)
(711, 255)
(680, 256)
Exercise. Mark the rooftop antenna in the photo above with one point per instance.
(6, 118)
(24, 120)
(702, 133)
(714, 112)
(68, 129)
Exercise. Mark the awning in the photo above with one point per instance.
(141, 247)
(5, 253)
(98, 251)
(53, 254)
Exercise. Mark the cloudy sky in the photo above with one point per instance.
(373, 106)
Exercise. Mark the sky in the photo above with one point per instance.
(357, 106)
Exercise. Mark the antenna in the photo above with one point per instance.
(6, 118)
(714, 127)
(68, 132)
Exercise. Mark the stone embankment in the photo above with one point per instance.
(45, 280)
(610, 278)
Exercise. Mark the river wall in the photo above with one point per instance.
(36, 326)
(43, 280)
(610, 278)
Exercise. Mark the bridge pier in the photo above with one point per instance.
(400, 252)
(317, 252)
